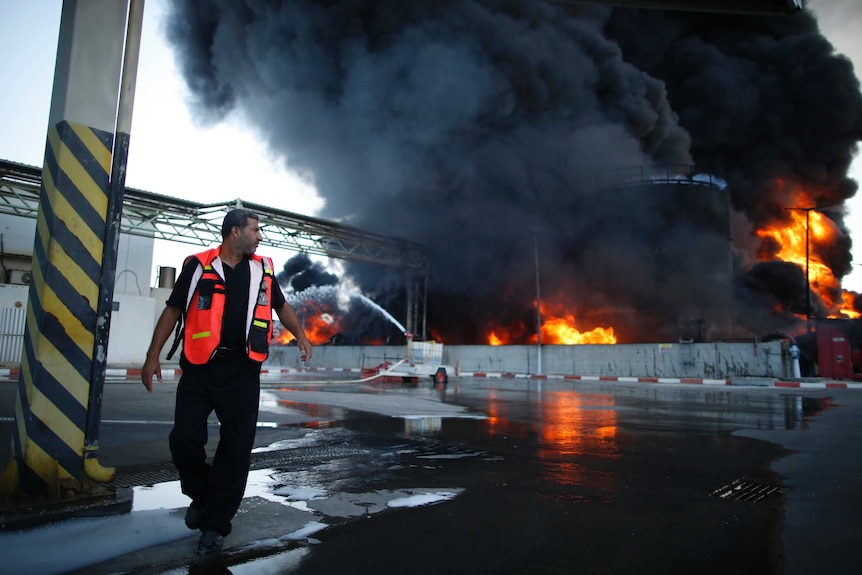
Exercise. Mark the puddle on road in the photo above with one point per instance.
(797, 410)
(326, 493)
(332, 475)
(569, 427)
(573, 448)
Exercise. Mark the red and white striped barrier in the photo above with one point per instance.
(684, 380)
(11, 374)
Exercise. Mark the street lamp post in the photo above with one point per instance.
(538, 303)
(807, 259)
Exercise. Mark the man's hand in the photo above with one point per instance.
(291, 322)
(169, 318)
(305, 349)
(152, 366)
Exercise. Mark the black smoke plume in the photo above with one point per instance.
(485, 129)
(330, 312)
(300, 273)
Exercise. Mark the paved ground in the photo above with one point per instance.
(526, 476)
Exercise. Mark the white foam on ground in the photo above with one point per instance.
(76, 543)
(422, 499)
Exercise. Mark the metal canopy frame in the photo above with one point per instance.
(167, 218)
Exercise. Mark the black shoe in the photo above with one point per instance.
(193, 517)
(210, 542)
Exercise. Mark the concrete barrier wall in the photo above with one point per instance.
(705, 360)
(719, 360)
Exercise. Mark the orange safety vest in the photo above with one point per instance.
(205, 308)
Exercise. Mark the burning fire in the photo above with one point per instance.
(558, 327)
(848, 305)
(781, 240)
(562, 330)
(320, 329)
(790, 240)
(323, 323)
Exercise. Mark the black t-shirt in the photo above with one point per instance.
(236, 299)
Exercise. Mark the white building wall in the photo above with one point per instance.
(134, 265)
(17, 235)
(131, 330)
(133, 319)
(16, 247)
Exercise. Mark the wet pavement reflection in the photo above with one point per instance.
(500, 476)
(560, 480)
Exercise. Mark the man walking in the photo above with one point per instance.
(226, 295)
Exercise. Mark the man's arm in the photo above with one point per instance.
(290, 320)
(164, 328)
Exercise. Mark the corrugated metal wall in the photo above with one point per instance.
(12, 323)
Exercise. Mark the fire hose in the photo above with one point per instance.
(361, 380)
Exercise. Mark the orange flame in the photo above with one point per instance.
(562, 330)
(787, 242)
(319, 329)
(559, 327)
(848, 307)
(791, 241)
(494, 339)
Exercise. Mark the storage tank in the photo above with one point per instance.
(670, 228)
(167, 276)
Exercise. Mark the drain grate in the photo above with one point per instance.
(145, 474)
(743, 489)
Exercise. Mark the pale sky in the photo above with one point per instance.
(169, 154)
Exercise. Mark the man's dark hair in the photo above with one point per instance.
(238, 218)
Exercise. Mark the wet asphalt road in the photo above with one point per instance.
(553, 476)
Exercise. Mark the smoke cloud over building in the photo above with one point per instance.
(483, 128)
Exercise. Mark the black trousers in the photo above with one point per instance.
(230, 386)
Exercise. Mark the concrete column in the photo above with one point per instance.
(57, 364)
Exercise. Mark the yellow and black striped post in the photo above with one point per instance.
(55, 439)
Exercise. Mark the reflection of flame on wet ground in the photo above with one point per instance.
(574, 430)
(575, 426)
